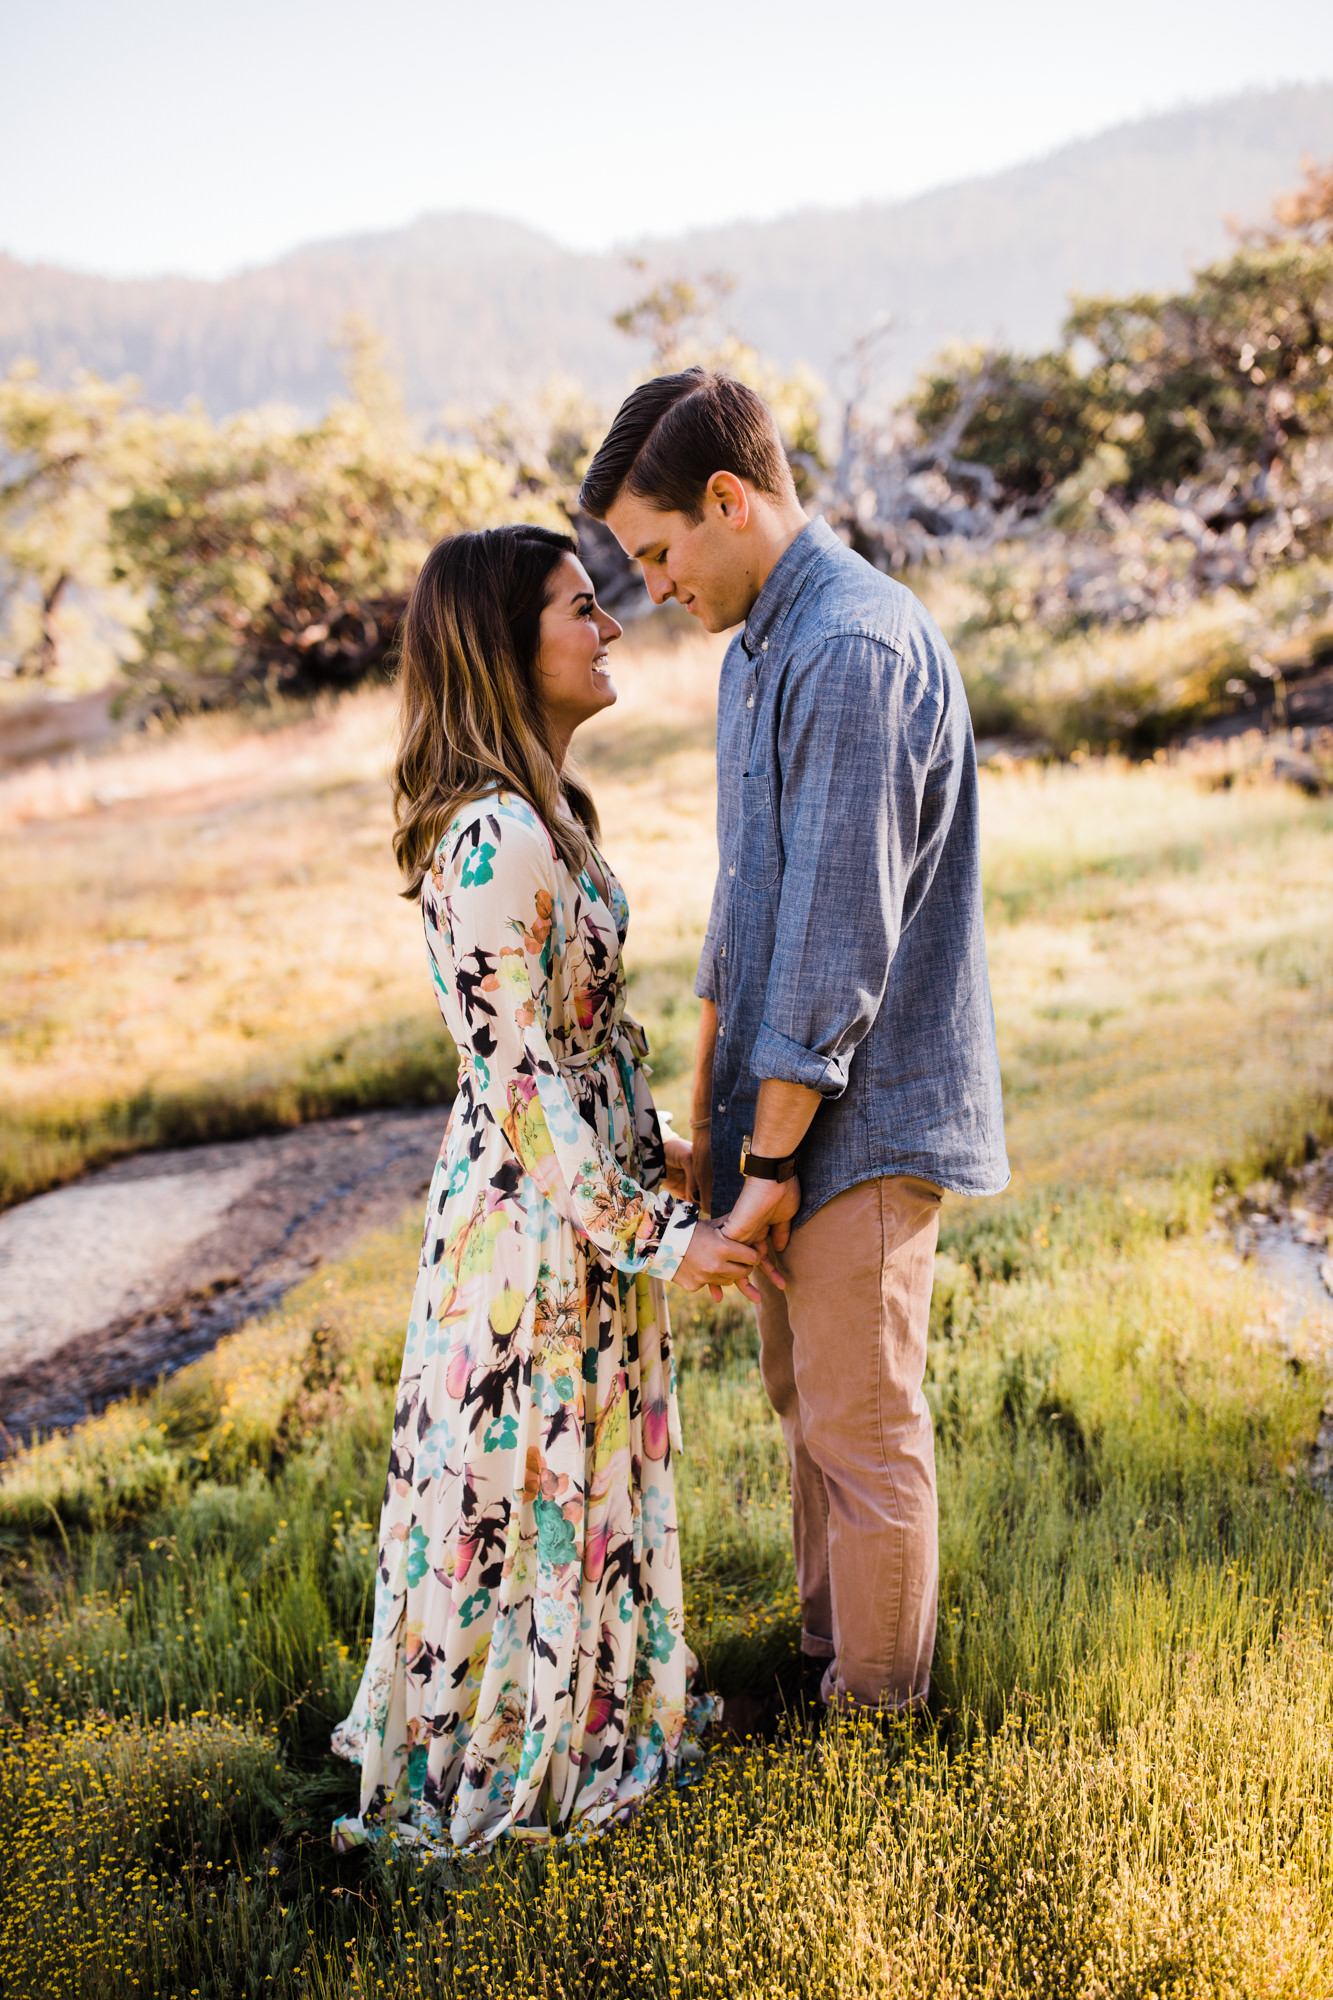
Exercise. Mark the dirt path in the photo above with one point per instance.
(136, 1270)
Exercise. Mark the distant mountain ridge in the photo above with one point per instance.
(477, 309)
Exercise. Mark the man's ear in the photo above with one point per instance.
(726, 496)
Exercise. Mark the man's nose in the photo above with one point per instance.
(659, 587)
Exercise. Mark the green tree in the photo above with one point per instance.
(676, 314)
(1037, 422)
(546, 441)
(67, 457)
(278, 557)
(1231, 375)
(1225, 382)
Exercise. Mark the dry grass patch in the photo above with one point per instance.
(221, 952)
(201, 934)
(1162, 962)
(201, 937)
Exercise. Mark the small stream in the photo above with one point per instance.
(1285, 1230)
(142, 1267)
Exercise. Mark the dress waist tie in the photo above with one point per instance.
(623, 1044)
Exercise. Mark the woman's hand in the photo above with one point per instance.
(679, 1174)
(715, 1260)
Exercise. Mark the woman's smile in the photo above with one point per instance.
(575, 683)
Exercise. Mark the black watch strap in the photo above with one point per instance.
(763, 1167)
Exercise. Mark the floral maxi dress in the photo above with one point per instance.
(527, 1666)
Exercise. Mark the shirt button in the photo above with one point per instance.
(721, 1031)
(732, 869)
(764, 647)
(722, 1104)
(749, 701)
(723, 952)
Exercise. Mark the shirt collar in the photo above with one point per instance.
(784, 582)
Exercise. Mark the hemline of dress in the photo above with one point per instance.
(682, 1767)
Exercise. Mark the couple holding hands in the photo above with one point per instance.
(527, 1672)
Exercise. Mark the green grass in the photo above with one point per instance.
(1125, 1784)
(218, 949)
(407, 1062)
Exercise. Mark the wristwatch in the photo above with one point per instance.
(759, 1167)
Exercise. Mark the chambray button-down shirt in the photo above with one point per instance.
(845, 948)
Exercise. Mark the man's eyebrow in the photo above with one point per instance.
(647, 549)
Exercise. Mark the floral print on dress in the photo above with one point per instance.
(528, 1669)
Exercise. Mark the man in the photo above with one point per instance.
(846, 1070)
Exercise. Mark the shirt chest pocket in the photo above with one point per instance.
(757, 861)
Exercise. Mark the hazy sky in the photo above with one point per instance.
(166, 135)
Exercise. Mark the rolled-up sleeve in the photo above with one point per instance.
(858, 728)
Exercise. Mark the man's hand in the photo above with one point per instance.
(763, 1212)
(764, 1209)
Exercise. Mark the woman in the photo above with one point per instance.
(527, 1668)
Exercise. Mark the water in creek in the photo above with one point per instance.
(1285, 1229)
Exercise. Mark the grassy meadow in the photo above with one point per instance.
(200, 940)
(200, 936)
(1125, 1786)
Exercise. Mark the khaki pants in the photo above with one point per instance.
(843, 1353)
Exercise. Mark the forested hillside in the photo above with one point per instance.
(476, 310)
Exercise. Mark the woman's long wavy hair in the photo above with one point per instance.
(470, 710)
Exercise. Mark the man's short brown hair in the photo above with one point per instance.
(672, 434)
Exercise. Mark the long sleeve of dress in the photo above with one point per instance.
(493, 921)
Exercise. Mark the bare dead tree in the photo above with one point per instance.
(900, 497)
